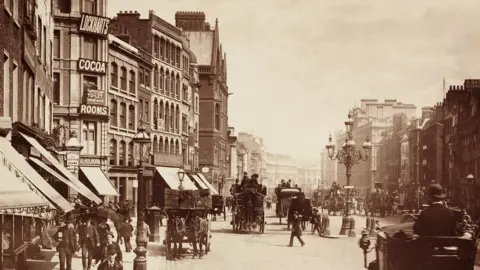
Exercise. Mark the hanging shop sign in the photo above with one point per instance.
(94, 25)
(97, 110)
(86, 161)
(92, 66)
(72, 159)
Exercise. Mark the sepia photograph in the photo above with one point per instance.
(223, 134)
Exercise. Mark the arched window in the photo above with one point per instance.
(185, 92)
(217, 116)
(155, 78)
(131, 156)
(113, 113)
(155, 144)
(161, 110)
(131, 117)
(177, 87)
(122, 153)
(131, 82)
(167, 146)
(172, 117)
(172, 85)
(177, 119)
(160, 145)
(155, 113)
(123, 115)
(162, 80)
(162, 47)
(172, 146)
(113, 152)
(114, 75)
(123, 78)
(167, 82)
(156, 46)
(178, 56)
(177, 147)
(167, 51)
(167, 117)
(172, 53)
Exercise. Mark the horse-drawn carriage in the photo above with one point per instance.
(188, 221)
(376, 202)
(284, 199)
(219, 207)
(248, 211)
(303, 206)
(397, 248)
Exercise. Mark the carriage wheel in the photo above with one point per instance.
(262, 225)
(234, 223)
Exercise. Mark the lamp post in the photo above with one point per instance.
(181, 176)
(348, 156)
(142, 138)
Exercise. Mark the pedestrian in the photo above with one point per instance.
(89, 242)
(296, 229)
(111, 263)
(126, 231)
(103, 256)
(142, 232)
(103, 228)
(316, 222)
(67, 245)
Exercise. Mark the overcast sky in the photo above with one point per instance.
(296, 67)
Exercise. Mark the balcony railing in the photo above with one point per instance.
(206, 70)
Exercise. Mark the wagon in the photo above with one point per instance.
(284, 197)
(248, 211)
(397, 248)
(218, 207)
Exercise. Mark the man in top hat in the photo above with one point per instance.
(296, 229)
(111, 263)
(253, 180)
(244, 180)
(67, 243)
(437, 219)
(89, 241)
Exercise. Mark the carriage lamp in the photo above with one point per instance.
(364, 244)
(181, 176)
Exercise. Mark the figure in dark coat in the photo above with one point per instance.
(89, 242)
(244, 180)
(67, 245)
(296, 229)
(437, 219)
(253, 180)
(112, 262)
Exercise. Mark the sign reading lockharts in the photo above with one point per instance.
(94, 25)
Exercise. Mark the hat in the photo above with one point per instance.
(365, 232)
(111, 249)
(436, 191)
(110, 233)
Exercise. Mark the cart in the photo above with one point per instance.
(248, 211)
(188, 221)
(218, 207)
(284, 197)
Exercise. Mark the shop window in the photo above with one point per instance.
(123, 78)
(113, 113)
(90, 48)
(89, 134)
(114, 74)
(122, 155)
(131, 82)
(113, 152)
(131, 117)
(123, 115)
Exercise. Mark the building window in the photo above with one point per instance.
(65, 6)
(160, 145)
(131, 158)
(172, 85)
(90, 50)
(147, 78)
(156, 45)
(15, 93)
(196, 132)
(141, 76)
(40, 38)
(172, 117)
(155, 78)
(123, 115)
(56, 88)
(140, 112)
(90, 6)
(131, 117)
(122, 153)
(161, 109)
(56, 42)
(196, 104)
(167, 146)
(184, 123)
(172, 54)
(185, 93)
(162, 80)
(114, 74)
(162, 48)
(177, 87)
(89, 82)
(123, 78)
(44, 51)
(155, 113)
(6, 86)
(172, 146)
(177, 119)
(178, 57)
(147, 112)
(113, 152)
(167, 51)
(167, 116)
(89, 131)
(131, 82)
(113, 112)
(155, 144)
(217, 116)
(167, 82)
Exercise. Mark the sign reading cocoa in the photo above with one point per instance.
(95, 25)
(93, 66)
(97, 110)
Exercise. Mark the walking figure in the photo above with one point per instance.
(316, 222)
(296, 229)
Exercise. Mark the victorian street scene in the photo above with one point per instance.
(336, 135)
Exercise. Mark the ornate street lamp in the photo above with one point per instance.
(348, 155)
(181, 176)
(142, 138)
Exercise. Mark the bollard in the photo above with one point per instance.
(326, 226)
(367, 223)
(140, 262)
(373, 231)
(351, 233)
(345, 226)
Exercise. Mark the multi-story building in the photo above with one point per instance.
(213, 100)
(81, 83)
(194, 116)
(280, 167)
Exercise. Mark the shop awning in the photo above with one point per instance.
(19, 162)
(210, 186)
(170, 175)
(99, 181)
(199, 181)
(16, 191)
(84, 190)
(55, 174)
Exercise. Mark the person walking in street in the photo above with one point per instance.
(67, 244)
(89, 242)
(103, 228)
(113, 245)
(126, 230)
(316, 222)
(296, 229)
(142, 232)
(111, 263)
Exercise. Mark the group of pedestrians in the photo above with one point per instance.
(94, 238)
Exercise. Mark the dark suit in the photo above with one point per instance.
(436, 220)
(105, 266)
(67, 245)
(89, 239)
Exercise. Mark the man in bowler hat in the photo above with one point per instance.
(296, 229)
(437, 219)
(111, 263)
(67, 243)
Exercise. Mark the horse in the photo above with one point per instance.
(176, 229)
(198, 233)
